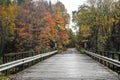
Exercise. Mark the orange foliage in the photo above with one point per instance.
(39, 28)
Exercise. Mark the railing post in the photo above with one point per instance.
(22, 64)
(5, 61)
(113, 57)
(3, 58)
(98, 52)
(119, 67)
(119, 56)
(101, 61)
(105, 56)
(108, 55)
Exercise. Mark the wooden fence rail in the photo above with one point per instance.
(109, 59)
(20, 63)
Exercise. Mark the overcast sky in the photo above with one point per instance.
(71, 5)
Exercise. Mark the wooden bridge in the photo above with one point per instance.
(69, 65)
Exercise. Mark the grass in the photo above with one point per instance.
(82, 50)
(60, 50)
(2, 77)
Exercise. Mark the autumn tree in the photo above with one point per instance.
(72, 38)
(32, 25)
(61, 19)
(40, 27)
(99, 15)
(8, 14)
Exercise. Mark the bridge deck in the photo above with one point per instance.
(67, 66)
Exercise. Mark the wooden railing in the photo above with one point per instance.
(15, 62)
(109, 59)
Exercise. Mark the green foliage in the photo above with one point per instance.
(109, 45)
(102, 42)
(19, 2)
(60, 50)
(5, 2)
(8, 16)
(4, 77)
(103, 19)
(72, 38)
(81, 49)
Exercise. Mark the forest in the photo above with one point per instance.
(99, 25)
(28, 25)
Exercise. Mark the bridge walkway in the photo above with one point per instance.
(70, 65)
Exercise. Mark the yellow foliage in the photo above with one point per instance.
(8, 16)
(84, 31)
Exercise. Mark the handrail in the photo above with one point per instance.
(12, 64)
(10, 54)
(112, 61)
